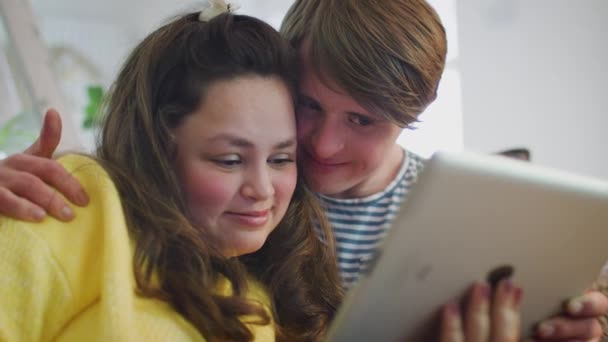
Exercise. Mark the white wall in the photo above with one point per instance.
(440, 126)
(100, 45)
(101, 34)
(34, 60)
(105, 31)
(520, 73)
(534, 74)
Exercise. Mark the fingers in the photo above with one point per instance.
(487, 317)
(50, 172)
(504, 312)
(26, 197)
(477, 319)
(16, 207)
(50, 135)
(451, 324)
(580, 321)
(31, 187)
(503, 321)
(564, 328)
(591, 304)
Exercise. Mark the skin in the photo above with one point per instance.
(29, 183)
(237, 179)
(346, 151)
(489, 315)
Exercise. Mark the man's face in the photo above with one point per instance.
(345, 150)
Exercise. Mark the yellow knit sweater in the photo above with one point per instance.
(74, 281)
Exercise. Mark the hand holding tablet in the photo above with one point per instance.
(468, 218)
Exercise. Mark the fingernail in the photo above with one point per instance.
(83, 199)
(67, 213)
(453, 309)
(484, 289)
(38, 214)
(546, 329)
(518, 294)
(576, 306)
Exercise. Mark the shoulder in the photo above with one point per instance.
(70, 254)
(415, 161)
(58, 235)
(86, 229)
(79, 245)
(413, 165)
(258, 293)
(53, 268)
(87, 170)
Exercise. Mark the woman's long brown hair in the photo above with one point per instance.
(163, 81)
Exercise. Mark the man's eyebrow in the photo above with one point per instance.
(308, 98)
(369, 116)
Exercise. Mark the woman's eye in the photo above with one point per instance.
(281, 159)
(360, 120)
(228, 161)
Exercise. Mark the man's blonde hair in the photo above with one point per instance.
(387, 54)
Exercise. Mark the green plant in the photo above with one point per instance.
(93, 109)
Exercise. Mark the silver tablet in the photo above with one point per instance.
(467, 216)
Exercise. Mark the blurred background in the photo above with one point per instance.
(520, 73)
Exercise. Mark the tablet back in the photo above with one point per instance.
(467, 216)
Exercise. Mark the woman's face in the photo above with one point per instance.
(236, 161)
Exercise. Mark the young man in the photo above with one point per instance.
(368, 69)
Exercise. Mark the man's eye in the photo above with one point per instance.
(360, 120)
(307, 104)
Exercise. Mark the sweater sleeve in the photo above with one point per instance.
(51, 271)
(35, 297)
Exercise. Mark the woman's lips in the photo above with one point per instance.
(250, 218)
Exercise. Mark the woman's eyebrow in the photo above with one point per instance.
(230, 139)
(286, 144)
(241, 142)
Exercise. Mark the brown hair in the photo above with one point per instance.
(389, 55)
(163, 81)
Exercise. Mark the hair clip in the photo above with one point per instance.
(215, 8)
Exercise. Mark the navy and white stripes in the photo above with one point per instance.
(360, 224)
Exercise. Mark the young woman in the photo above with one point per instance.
(197, 226)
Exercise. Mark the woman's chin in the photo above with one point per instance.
(244, 247)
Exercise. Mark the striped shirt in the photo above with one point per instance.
(359, 224)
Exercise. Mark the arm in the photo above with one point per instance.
(68, 288)
(31, 181)
(35, 297)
